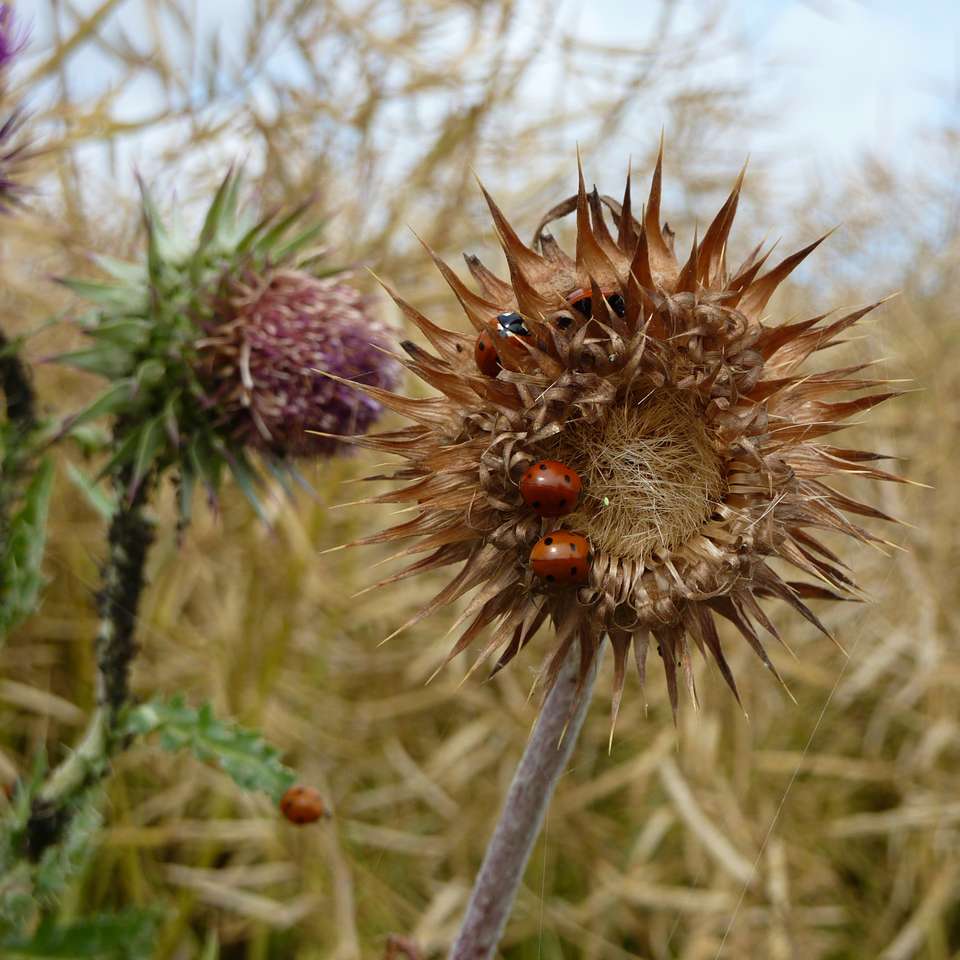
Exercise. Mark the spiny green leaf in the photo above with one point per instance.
(103, 502)
(248, 481)
(109, 362)
(243, 754)
(108, 402)
(300, 243)
(149, 373)
(218, 207)
(20, 577)
(266, 242)
(123, 454)
(207, 464)
(123, 270)
(131, 332)
(151, 438)
(108, 936)
(107, 295)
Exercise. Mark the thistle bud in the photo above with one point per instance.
(216, 349)
(271, 338)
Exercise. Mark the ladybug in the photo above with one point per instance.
(486, 355)
(550, 488)
(301, 804)
(511, 324)
(582, 301)
(561, 557)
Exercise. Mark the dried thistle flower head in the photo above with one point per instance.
(211, 346)
(687, 415)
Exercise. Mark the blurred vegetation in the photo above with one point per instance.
(829, 828)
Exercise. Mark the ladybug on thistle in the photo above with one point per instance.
(551, 488)
(561, 557)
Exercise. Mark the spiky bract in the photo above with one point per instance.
(209, 344)
(686, 410)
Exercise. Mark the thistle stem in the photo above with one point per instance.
(17, 388)
(118, 600)
(524, 809)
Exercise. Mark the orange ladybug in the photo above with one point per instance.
(561, 557)
(550, 488)
(486, 356)
(582, 301)
(302, 804)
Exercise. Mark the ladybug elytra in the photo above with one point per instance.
(550, 488)
(302, 804)
(561, 557)
(582, 301)
(486, 355)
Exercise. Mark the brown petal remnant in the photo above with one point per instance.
(687, 413)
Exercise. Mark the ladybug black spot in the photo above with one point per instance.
(617, 305)
(543, 466)
(573, 571)
(573, 548)
(584, 306)
(550, 577)
(535, 504)
(481, 346)
(564, 321)
(548, 541)
(566, 478)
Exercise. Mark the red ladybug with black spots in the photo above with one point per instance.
(550, 488)
(561, 557)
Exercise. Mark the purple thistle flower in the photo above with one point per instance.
(13, 152)
(269, 337)
(12, 39)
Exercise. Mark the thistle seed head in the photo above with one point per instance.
(699, 435)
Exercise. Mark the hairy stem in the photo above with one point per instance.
(118, 600)
(17, 388)
(524, 809)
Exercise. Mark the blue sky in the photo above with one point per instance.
(840, 76)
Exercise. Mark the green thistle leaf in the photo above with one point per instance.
(243, 754)
(107, 295)
(110, 401)
(130, 274)
(151, 436)
(129, 935)
(20, 577)
(107, 361)
(103, 502)
(224, 202)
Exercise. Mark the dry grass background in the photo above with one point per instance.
(826, 828)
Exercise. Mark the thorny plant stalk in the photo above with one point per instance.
(17, 388)
(130, 537)
(21, 413)
(524, 809)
